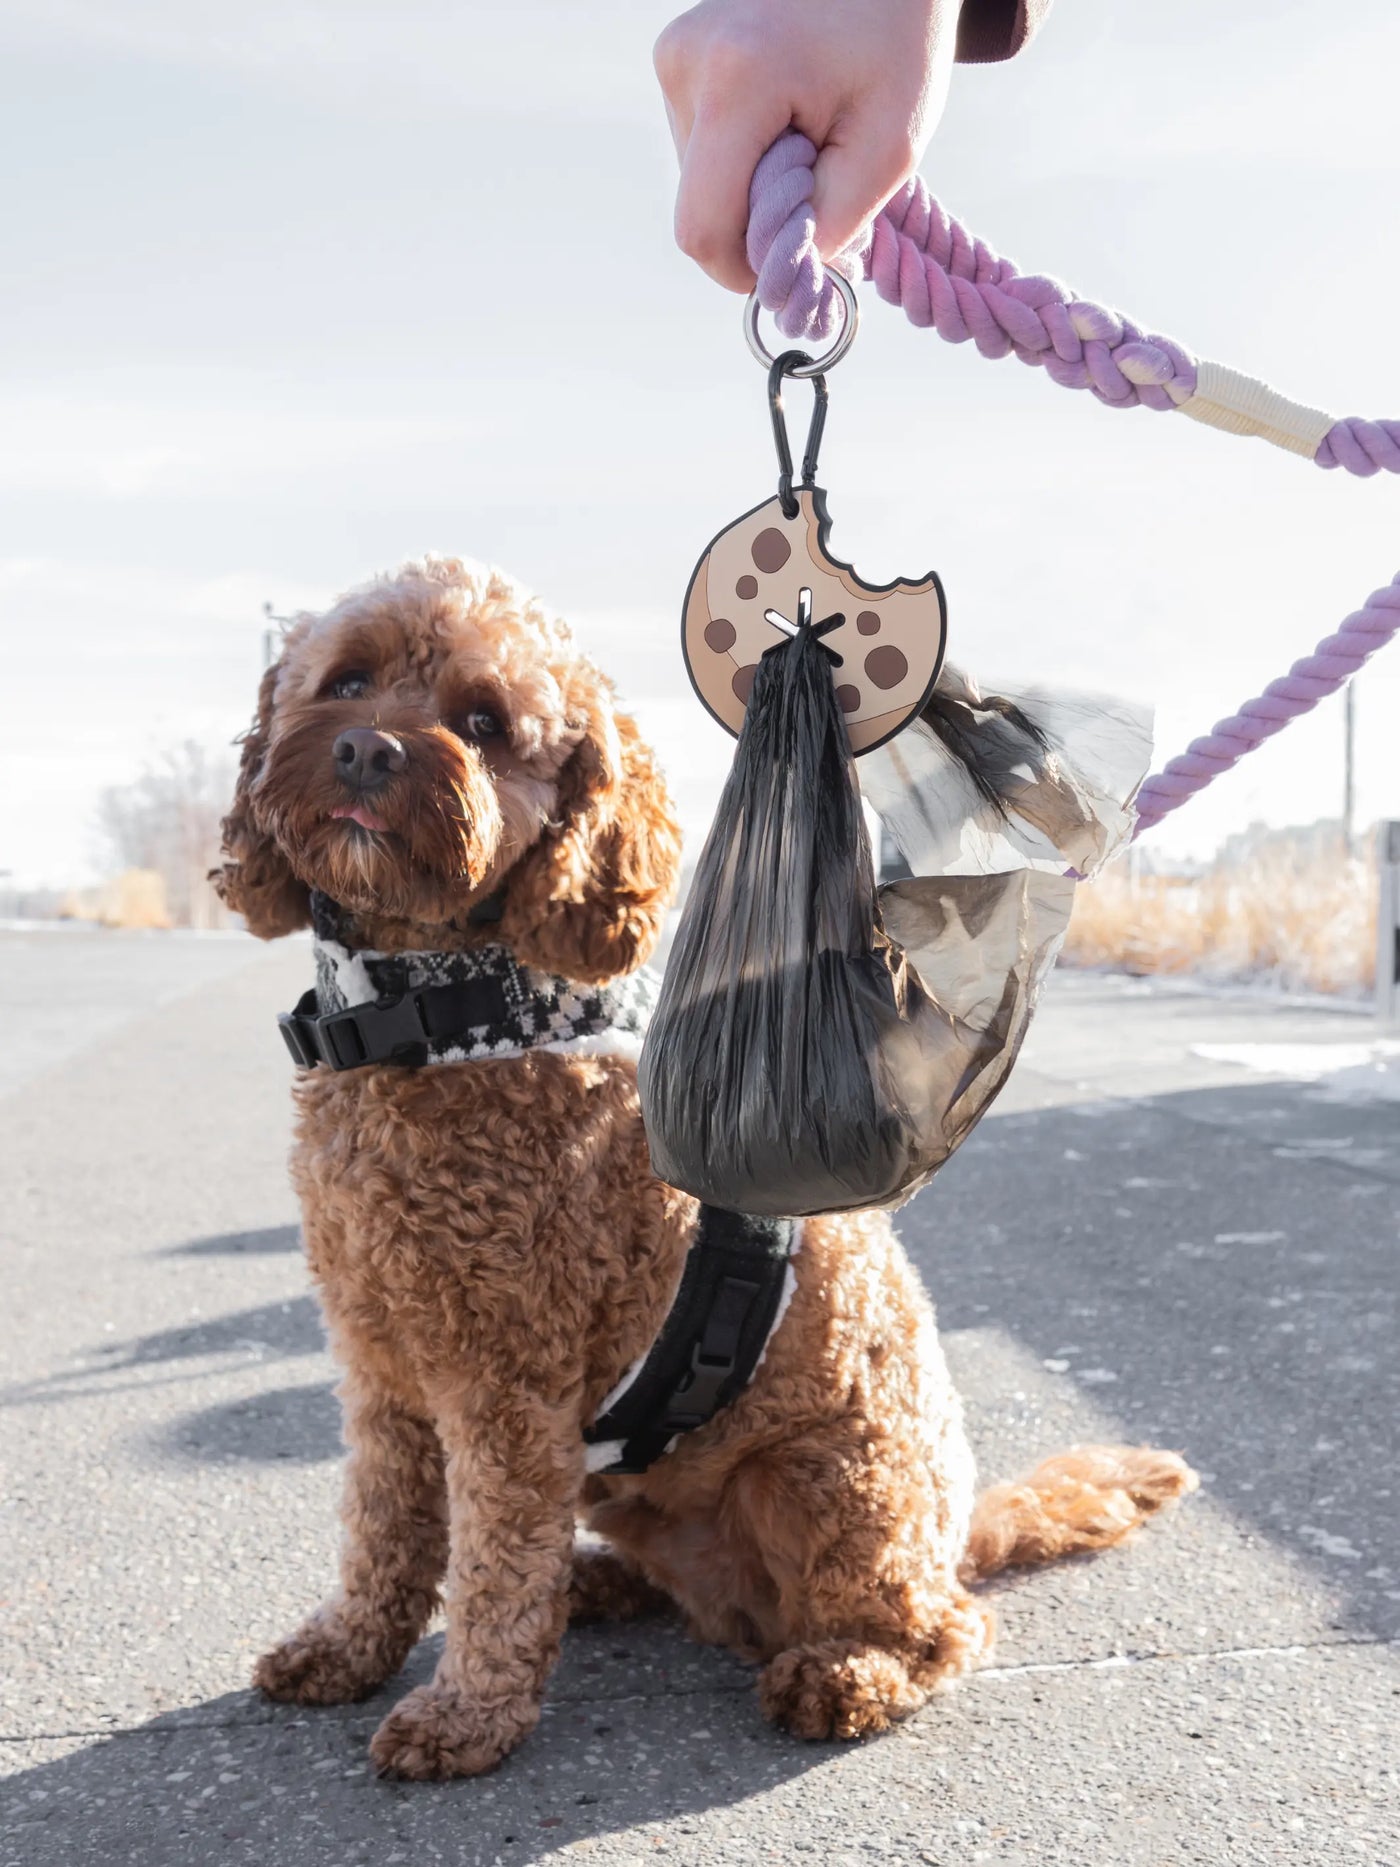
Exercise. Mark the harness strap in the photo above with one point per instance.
(709, 1345)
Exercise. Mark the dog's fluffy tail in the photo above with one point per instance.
(1087, 1498)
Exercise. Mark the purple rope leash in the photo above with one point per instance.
(943, 276)
(924, 260)
(1331, 664)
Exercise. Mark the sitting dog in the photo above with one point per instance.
(443, 781)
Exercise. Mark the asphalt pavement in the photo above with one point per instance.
(1139, 1242)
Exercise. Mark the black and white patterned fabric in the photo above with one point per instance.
(540, 1010)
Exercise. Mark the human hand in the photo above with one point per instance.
(864, 79)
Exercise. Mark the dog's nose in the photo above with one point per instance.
(365, 758)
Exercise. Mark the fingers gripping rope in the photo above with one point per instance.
(943, 277)
(1314, 678)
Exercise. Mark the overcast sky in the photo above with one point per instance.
(296, 289)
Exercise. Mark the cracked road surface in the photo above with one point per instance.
(1138, 1242)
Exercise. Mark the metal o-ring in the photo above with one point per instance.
(845, 337)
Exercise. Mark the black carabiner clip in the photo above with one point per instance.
(783, 366)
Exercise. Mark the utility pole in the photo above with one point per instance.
(1349, 774)
(1388, 923)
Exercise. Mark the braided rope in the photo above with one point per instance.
(927, 262)
(1314, 678)
(945, 278)
(1362, 447)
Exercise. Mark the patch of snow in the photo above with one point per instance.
(1361, 1065)
(1250, 1238)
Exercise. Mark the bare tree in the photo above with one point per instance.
(168, 820)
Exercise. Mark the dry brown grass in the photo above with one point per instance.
(1288, 915)
(135, 898)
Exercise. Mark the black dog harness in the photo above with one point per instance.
(417, 1009)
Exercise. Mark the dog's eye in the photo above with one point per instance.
(481, 723)
(348, 686)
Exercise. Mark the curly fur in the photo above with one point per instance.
(492, 1251)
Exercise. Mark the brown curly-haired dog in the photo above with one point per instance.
(492, 1250)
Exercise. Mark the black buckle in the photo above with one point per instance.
(714, 1357)
(389, 1031)
(698, 1401)
(371, 1033)
(298, 1034)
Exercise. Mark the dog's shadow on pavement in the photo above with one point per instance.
(658, 1730)
(260, 1243)
(296, 1425)
(265, 1332)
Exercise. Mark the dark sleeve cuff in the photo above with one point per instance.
(989, 30)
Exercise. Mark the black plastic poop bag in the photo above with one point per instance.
(789, 1063)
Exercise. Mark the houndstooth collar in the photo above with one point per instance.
(536, 1010)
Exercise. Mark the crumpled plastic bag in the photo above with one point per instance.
(823, 1045)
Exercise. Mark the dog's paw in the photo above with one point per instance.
(328, 1661)
(434, 1732)
(837, 1688)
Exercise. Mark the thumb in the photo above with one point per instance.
(857, 171)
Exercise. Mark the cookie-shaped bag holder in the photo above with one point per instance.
(822, 1042)
(770, 572)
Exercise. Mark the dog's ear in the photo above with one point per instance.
(588, 901)
(257, 882)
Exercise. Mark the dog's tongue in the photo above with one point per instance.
(357, 813)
